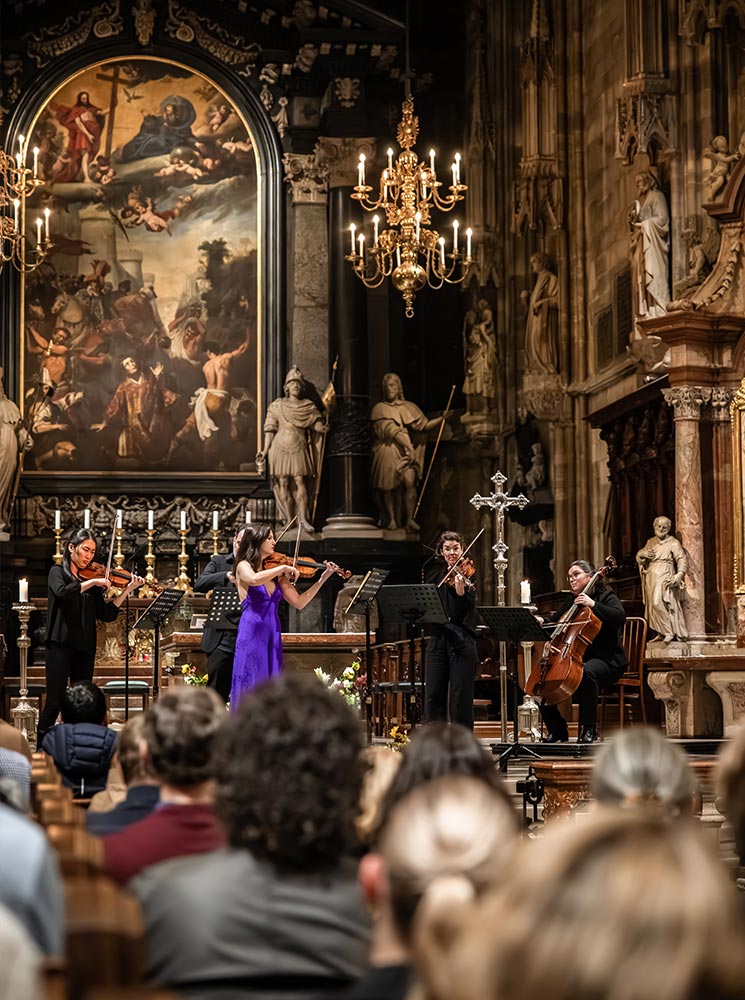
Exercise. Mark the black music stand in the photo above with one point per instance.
(413, 605)
(152, 618)
(225, 609)
(513, 625)
(362, 603)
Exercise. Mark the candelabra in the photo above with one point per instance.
(25, 716)
(215, 545)
(57, 546)
(150, 586)
(410, 253)
(118, 554)
(183, 582)
(18, 183)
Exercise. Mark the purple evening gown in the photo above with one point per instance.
(258, 647)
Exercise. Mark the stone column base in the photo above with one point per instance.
(350, 526)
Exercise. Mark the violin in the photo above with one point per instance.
(307, 568)
(464, 569)
(117, 577)
(557, 666)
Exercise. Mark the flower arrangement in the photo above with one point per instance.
(398, 738)
(350, 684)
(190, 675)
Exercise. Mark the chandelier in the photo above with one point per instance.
(409, 252)
(17, 183)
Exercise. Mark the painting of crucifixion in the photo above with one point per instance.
(140, 346)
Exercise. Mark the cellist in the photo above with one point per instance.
(604, 661)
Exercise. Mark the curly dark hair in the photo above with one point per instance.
(83, 702)
(289, 774)
(180, 731)
(435, 751)
(251, 541)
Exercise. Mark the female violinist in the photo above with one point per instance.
(258, 648)
(451, 652)
(74, 604)
(604, 659)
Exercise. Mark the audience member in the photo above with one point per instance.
(640, 767)
(437, 750)
(20, 962)
(382, 764)
(279, 910)
(30, 885)
(11, 795)
(143, 790)
(730, 787)
(444, 844)
(13, 739)
(82, 745)
(179, 748)
(623, 904)
(14, 765)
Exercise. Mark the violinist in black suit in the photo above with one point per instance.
(219, 644)
(604, 661)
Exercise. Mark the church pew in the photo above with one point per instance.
(79, 854)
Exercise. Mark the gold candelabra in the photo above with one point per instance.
(18, 183)
(57, 546)
(183, 582)
(25, 716)
(215, 543)
(118, 554)
(150, 586)
(409, 252)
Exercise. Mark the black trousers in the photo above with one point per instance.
(220, 670)
(62, 665)
(451, 660)
(597, 676)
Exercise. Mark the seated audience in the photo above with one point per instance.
(20, 961)
(641, 767)
(18, 767)
(622, 904)
(30, 885)
(444, 844)
(279, 911)
(143, 790)
(382, 764)
(13, 739)
(179, 748)
(82, 745)
(730, 786)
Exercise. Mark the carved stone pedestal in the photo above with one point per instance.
(730, 686)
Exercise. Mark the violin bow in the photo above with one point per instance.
(297, 545)
(434, 452)
(286, 528)
(328, 399)
(111, 546)
(463, 555)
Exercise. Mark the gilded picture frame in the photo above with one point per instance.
(737, 417)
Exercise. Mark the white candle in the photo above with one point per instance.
(215, 520)
(455, 235)
(376, 221)
(119, 519)
(385, 185)
(47, 213)
(352, 229)
(21, 140)
(183, 520)
(23, 591)
(455, 174)
(36, 161)
(38, 231)
(457, 167)
(151, 520)
(442, 252)
(390, 159)
(86, 518)
(57, 520)
(19, 160)
(524, 592)
(432, 162)
(424, 185)
(398, 256)
(361, 171)
(248, 517)
(16, 204)
(418, 219)
(468, 243)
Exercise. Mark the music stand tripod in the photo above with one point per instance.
(413, 605)
(514, 625)
(362, 603)
(152, 618)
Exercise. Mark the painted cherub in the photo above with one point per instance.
(721, 160)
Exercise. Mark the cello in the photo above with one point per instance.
(557, 666)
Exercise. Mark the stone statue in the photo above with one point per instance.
(293, 428)
(14, 440)
(542, 326)
(663, 564)
(398, 427)
(535, 477)
(480, 358)
(649, 220)
(721, 165)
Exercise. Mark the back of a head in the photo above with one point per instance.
(180, 731)
(134, 768)
(435, 751)
(83, 702)
(640, 767)
(730, 785)
(622, 905)
(290, 772)
(382, 764)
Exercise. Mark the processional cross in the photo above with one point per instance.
(499, 501)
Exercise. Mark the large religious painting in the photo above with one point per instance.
(141, 352)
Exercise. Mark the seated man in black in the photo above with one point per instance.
(604, 659)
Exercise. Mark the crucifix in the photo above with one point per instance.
(114, 80)
(499, 502)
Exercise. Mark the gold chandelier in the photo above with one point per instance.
(411, 253)
(17, 183)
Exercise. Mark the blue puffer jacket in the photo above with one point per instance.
(82, 753)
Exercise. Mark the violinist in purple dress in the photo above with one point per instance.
(258, 648)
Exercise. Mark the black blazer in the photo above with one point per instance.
(606, 645)
(215, 574)
(72, 615)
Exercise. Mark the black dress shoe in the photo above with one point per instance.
(588, 734)
(562, 736)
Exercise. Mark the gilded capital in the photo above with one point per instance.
(687, 400)
(341, 157)
(307, 177)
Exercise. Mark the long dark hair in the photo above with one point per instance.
(251, 541)
(81, 535)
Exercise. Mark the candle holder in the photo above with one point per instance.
(57, 546)
(215, 536)
(118, 554)
(183, 582)
(25, 716)
(528, 713)
(150, 587)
